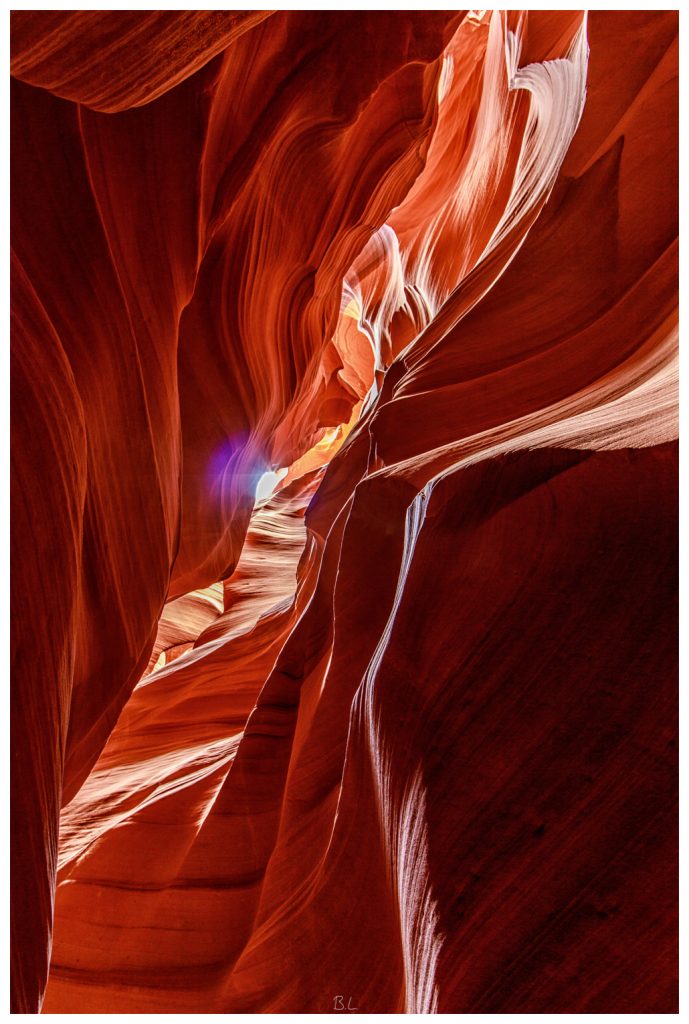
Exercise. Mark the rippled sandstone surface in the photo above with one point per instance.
(403, 733)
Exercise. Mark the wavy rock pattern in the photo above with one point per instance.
(403, 733)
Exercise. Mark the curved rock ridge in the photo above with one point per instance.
(401, 736)
(114, 60)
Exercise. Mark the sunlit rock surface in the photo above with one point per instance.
(402, 731)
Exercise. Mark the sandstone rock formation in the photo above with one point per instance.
(403, 733)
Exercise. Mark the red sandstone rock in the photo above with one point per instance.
(403, 733)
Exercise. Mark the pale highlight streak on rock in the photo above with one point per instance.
(402, 817)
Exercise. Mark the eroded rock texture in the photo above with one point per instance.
(403, 733)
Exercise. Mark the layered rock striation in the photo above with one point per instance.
(403, 733)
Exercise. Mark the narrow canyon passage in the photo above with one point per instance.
(344, 511)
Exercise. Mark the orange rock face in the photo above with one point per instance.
(399, 737)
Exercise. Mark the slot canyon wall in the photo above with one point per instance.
(401, 734)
